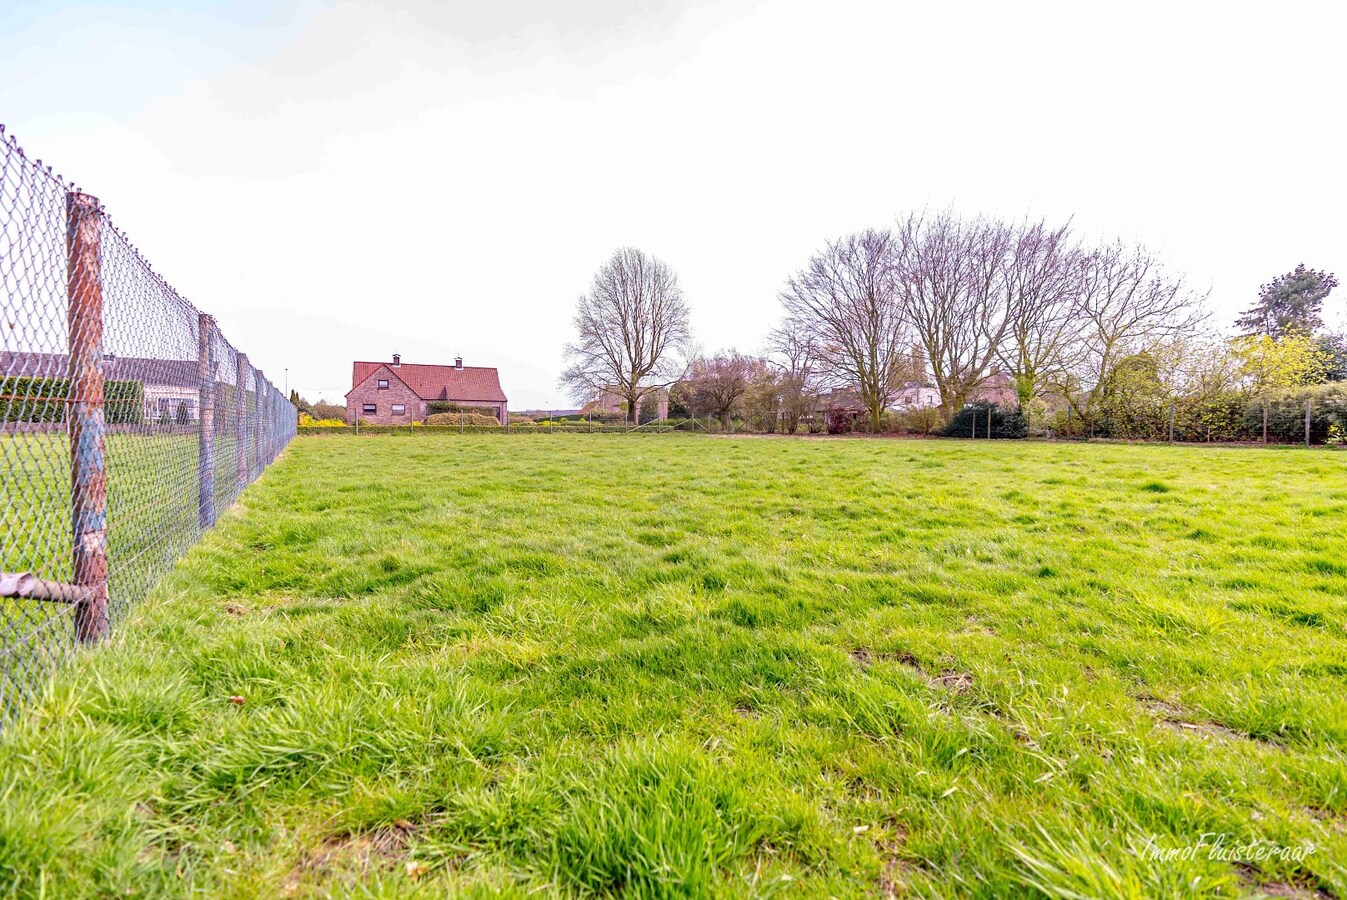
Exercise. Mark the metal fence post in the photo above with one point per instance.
(258, 380)
(1264, 421)
(273, 416)
(1308, 404)
(205, 464)
(989, 421)
(85, 420)
(1171, 423)
(241, 419)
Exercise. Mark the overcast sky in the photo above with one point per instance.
(337, 181)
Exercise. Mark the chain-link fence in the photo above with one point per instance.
(126, 422)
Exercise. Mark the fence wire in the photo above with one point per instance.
(126, 422)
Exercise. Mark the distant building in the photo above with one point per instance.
(611, 403)
(997, 388)
(914, 395)
(395, 393)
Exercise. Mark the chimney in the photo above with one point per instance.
(458, 362)
(397, 360)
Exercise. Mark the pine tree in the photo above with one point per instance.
(1289, 304)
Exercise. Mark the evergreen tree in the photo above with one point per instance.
(1289, 304)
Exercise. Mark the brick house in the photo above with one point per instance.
(395, 393)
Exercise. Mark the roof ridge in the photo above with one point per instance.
(376, 362)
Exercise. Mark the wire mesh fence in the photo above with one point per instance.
(126, 422)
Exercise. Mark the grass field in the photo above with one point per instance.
(688, 665)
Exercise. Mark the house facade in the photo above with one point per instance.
(396, 393)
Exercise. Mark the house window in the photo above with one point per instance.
(399, 409)
(383, 384)
(370, 409)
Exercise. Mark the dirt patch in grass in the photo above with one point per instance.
(1302, 888)
(948, 679)
(958, 682)
(862, 657)
(889, 840)
(1335, 820)
(1179, 720)
(352, 856)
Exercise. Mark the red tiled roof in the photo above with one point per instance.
(439, 382)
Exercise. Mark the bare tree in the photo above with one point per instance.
(846, 297)
(1041, 283)
(793, 351)
(1126, 303)
(953, 280)
(764, 401)
(716, 386)
(632, 331)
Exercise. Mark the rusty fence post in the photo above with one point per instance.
(85, 420)
(205, 463)
(241, 418)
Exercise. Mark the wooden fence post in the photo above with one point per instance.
(1264, 421)
(85, 416)
(205, 463)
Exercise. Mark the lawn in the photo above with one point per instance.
(675, 664)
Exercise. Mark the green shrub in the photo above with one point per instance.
(322, 410)
(1218, 417)
(462, 418)
(923, 420)
(44, 400)
(1286, 413)
(971, 421)
(447, 406)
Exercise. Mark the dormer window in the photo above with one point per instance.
(383, 384)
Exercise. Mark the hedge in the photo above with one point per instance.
(482, 429)
(43, 400)
(463, 418)
(447, 406)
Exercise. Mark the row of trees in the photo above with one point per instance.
(1086, 331)
(976, 296)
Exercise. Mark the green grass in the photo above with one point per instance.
(681, 665)
(152, 518)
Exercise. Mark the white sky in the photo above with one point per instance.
(336, 181)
